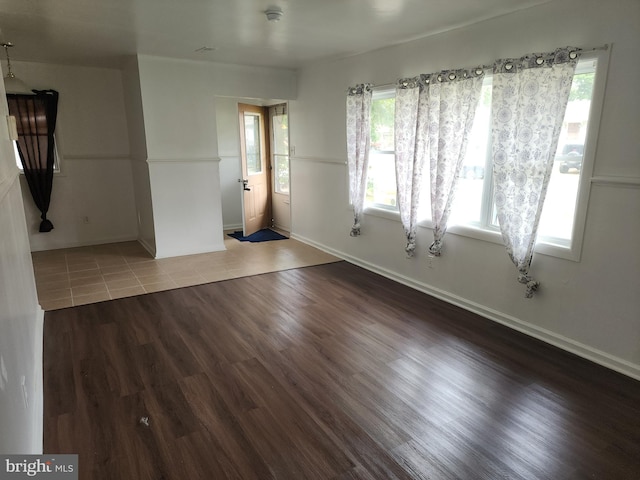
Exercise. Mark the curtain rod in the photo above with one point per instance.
(604, 47)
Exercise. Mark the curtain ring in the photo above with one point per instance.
(573, 54)
(439, 78)
(539, 60)
(478, 71)
(508, 66)
(452, 76)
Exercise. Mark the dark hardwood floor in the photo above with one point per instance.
(326, 372)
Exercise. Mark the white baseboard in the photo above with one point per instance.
(147, 246)
(233, 227)
(89, 243)
(547, 336)
(189, 251)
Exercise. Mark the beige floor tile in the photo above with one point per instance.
(49, 305)
(88, 290)
(50, 269)
(159, 287)
(57, 294)
(80, 267)
(119, 284)
(80, 259)
(49, 262)
(106, 270)
(115, 277)
(110, 261)
(84, 273)
(89, 280)
(174, 264)
(214, 275)
(107, 249)
(93, 298)
(184, 274)
(123, 269)
(131, 246)
(138, 259)
(53, 277)
(156, 278)
(146, 269)
(44, 254)
(127, 292)
(49, 286)
(189, 281)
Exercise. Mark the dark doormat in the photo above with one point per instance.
(264, 235)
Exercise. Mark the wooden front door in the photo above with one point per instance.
(256, 198)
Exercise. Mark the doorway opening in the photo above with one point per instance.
(264, 156)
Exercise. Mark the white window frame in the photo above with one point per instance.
(56, 156)
(485, 231)
(389, 211)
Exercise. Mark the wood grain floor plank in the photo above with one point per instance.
(296, 369)
(119, 360)
(320, 454)
(326, 372)
(225, 434)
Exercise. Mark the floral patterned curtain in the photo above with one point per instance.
(410, 148)
(530, 95)
(433, 119)
(453, 100)
(358, 144)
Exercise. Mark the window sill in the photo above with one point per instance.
(477, 233)
(56, 173)
(382, 213)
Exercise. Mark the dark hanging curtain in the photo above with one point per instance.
(36, 121)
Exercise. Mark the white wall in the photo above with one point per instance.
(591, 307)
(230, 165)
(138, 149)
(179, 108)
(21, 319)
(96, 178)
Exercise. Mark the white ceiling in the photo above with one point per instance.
(100, 32)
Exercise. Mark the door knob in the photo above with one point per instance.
(244, 185)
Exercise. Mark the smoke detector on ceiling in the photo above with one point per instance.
(274, 14)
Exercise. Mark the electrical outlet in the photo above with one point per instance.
(430, 261)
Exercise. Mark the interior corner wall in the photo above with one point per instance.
(21, 318)
(92, 200)
(179, 109)
(138, 151)
(590, 307)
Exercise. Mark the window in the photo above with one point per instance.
(280, 148)
(381, 176)
(252, 143)
(564, 210)
(56, 158)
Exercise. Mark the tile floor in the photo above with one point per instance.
(77, 276)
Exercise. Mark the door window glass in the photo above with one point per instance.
(280, 148)
(252, 143)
